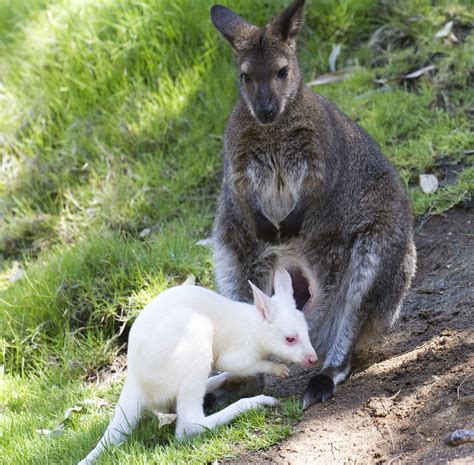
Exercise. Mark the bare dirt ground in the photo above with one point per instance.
(414, 384)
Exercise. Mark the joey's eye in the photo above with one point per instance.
(283, 73)
(290, 339)
(245, 77)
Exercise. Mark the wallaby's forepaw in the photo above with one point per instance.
(281, 370)
(320, 389)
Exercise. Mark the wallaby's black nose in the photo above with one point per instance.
(266, 113)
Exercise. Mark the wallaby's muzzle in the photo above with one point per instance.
(266, 114)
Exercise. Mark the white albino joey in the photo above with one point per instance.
(188, 331)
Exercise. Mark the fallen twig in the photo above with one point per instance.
(419, 72)
(462, 382)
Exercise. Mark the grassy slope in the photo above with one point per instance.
(111, 128)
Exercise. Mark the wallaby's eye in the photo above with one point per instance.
(245, 77)
(283, 73)
(290, 339)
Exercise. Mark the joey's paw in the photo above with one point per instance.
(281, 370)
(320, 389)
(235, 379)
(183, 434)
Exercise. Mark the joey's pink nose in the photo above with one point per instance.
(311, 359)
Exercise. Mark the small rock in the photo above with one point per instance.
(428, 183)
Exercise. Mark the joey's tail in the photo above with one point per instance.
(126, 416)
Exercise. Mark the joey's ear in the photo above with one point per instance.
(263, 303)
(234, 28)
(282, 282)
(289, 22)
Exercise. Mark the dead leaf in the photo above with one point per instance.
(190, 281)
(99, 403)
(328, 78)
(333, 57)
(445, 31)
(451, 39)
(165, 418)
(70, 410)
(428, 183)
(16, 272)
(144, 233)
(51, 433)
(419, 72)
(207, 242)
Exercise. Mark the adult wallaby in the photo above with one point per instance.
(306, 188)
(186, 332)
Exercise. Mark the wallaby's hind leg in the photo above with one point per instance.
(345, 320)
(127, 413)
(371, 292)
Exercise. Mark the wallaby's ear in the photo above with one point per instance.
(289, 22)
(282, 282)
(263, 303)
(234, 28)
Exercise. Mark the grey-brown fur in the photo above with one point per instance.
(306, 187)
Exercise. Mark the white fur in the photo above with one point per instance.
(278, 191)
(188, 331)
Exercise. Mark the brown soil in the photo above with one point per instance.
(414, 384)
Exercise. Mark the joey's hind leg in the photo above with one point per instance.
(224, 416)
(227, 414)
(217, 381)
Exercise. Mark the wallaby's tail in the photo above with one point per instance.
(126, 416)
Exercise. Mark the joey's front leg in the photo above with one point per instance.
(272, 368)
(264, 366)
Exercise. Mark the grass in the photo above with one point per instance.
(26, 439)
(111, 123)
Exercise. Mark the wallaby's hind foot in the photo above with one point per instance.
(320, 388)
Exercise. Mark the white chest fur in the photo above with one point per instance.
(277, 187)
